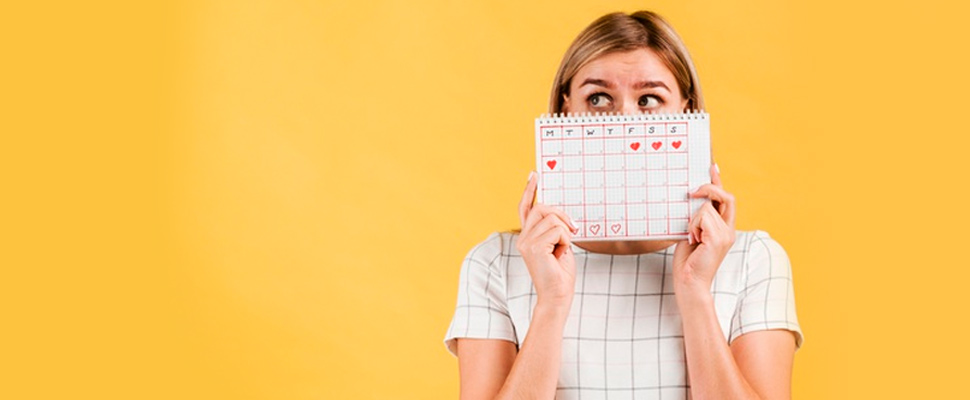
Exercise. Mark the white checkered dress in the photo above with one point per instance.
(623, 338)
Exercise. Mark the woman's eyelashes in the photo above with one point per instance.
(649, 101)
(600, 101)
(603, 102)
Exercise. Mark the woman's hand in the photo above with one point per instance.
(711, 235)
(545, 247)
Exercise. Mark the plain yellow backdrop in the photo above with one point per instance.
(271, 200)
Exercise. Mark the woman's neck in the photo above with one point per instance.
(625, 247)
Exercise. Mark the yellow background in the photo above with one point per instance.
(271, 200)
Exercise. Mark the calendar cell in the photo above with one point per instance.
(615, 212)
(677, 144)
(635, 162)
(677, 176)
(551, 132)
(657, 161)
(614, 178)
(572, 180)
(613, 146)
(593, 163)
(633, 129)
(676, 160)
(552, 147)
(573, 197)
(677, 128)
(552, 197)
(634, 146)
(593, 131)
(593, 146)
(552, 181)
(636, 228)
(617, 229)
(552, 164)
(678, 225)
(614, 163)
(657, 194)
(595, 212)
(574, 212)
(572, 163)
(572, 147)
(636, 194)
(636, 212)
(657, 177)
(616, 195)
(595, 196)
(678, 210)
(678, 193)
(636, 177)
(612, 130)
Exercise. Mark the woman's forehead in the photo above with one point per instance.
(628, 68)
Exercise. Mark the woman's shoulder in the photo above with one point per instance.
(496, 244)
(759, 253)
(748, 241)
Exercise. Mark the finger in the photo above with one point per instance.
(701, 222)
(527, 198)
(694, 226)
(548, 222)
(726, 204)
(709, 218)
(715, 175)
(540, 211)
(558, 236)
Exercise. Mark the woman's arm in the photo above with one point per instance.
(757, 365)
(490, 369)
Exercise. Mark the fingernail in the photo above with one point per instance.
(531, 174)
(572, 224)
(716, 168)
(690, 238)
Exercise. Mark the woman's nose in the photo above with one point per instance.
(628, 106)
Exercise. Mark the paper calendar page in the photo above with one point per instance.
(624, 177)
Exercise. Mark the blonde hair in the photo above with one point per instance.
(618, 32)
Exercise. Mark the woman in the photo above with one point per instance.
(711, 317)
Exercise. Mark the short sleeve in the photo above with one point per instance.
(767, 300)
(482, 310)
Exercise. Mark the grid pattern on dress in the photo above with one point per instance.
(623, 338)
(624, 177)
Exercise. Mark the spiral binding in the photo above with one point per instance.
(587, 117)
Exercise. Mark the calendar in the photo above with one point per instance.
(624, 177)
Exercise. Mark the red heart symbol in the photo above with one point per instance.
(615, 228)
(595, 228)
(656, 145)
(635, 146)
(551, 164)
(676, 144)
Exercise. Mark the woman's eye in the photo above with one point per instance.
(600, 100)
(648, 101)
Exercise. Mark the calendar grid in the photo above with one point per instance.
(624, 177)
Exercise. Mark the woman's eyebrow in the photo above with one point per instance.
(597, 82)
(650, 84)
